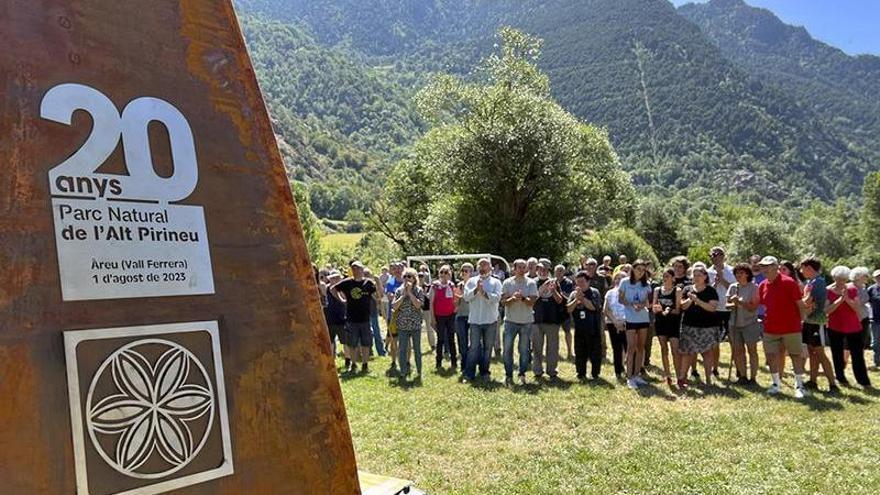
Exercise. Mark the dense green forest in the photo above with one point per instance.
(709, 105)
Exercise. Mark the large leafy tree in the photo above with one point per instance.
(870, 219)
(504, 168)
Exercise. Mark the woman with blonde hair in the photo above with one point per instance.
(408, 300)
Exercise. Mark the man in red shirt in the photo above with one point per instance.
(785, 309)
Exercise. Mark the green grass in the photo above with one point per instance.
(341, 241)
(453, 438)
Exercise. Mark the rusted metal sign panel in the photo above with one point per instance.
(159, 326)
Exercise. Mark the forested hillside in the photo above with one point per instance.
(340, 122)
(683, 114)
(839, 88)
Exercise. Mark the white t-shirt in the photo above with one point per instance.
(612, 300)
(722, 289)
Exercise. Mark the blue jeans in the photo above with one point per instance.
(875, 342)
(511, 332)
(404, 337)
(461, 334)
(482, 339)
(377, 334)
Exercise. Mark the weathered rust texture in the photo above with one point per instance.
(289, 429)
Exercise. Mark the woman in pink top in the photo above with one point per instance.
(845, 327)
(442, 297)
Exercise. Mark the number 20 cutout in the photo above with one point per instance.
(142, 182)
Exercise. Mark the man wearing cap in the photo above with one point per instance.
(784, 311)
(483, 294)
(358, 293)
(874, 300)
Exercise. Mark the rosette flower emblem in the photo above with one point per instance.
(151, 413)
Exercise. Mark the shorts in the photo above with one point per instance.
(749, 334)
(637, 326)
(336, 330)
(697, 340)
(669, 327)
(793, 343)
(359, 334)
(814, 335)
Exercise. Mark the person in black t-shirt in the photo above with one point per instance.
(700, 331)
(358, 293)
(334, 313)
(584, 306)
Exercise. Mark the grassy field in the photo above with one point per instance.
(561, 438)
(343, 241)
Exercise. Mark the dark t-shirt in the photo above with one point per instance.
(874, 299)
(586, 319)
(682, 282)
(671, 321)
(599, 283)
(358, 295)
(695, 316)
(566, 287)
(334, 312)
(546, 308)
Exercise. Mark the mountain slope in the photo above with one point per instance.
(680, 114)
(840, 88)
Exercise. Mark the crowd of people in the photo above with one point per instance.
(690, 308)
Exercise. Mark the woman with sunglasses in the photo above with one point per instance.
(699, 325)
(408, 300)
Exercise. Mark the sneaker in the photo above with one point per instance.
(834, 389)
(508, 381)
(522, 379)
(640, 381)
(742, 381)
(364, 368)
(774, 389)
(811, 385)
(631, 383)
(751, 381)
(844, 382)
(800, 393)
(682, 384)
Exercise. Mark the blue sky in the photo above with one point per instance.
(851, 25)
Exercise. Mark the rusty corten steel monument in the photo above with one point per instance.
(160, 329)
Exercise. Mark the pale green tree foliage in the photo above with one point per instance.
(310, 224)
(504, 168)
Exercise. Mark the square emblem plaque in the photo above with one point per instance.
(147, 408)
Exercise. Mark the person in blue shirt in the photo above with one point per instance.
(635, 295)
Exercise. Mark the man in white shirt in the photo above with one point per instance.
(483, 293)
(721, 284)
